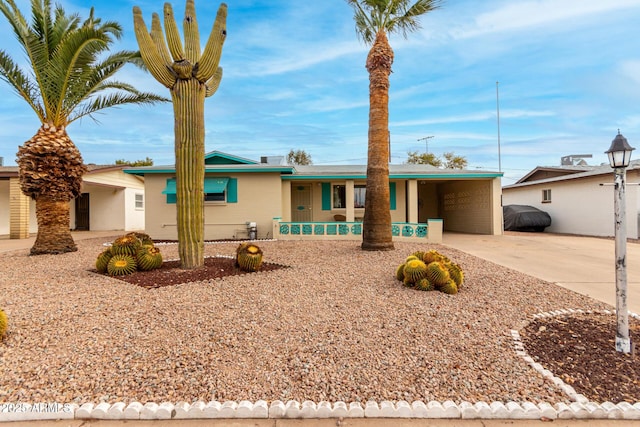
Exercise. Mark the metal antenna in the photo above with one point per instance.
(426, 140)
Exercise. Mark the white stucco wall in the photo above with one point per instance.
(259, 200)
(106, 208)
(579, 206)
(133, 217)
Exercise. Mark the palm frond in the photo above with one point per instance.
(113, 100)
(94, 80)
(70, 64)
(17, 21)
(20, 83)
(372, 16)
(364, 25)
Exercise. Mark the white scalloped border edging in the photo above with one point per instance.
(293, 409)
(579, 408)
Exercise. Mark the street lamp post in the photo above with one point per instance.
(619, 157)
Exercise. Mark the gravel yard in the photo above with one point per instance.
(335, 326)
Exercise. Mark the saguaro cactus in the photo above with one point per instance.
(190, 77)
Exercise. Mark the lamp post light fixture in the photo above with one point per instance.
(619, 157)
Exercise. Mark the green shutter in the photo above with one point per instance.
(215, 185)
(326, 196)
(232, 190)
(392, 195)
(170, 191)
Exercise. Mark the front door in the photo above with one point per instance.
(82, 212)
(301, 203)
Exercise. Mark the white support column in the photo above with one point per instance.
(286, 201)
(349, 196)
(412, 200)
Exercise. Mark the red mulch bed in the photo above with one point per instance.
(581, 351)
(171, 274)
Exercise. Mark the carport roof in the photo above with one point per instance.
(404, 171)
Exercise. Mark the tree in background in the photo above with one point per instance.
(68, 77)
(190, 76)
(449, 160)
(146, 162)
(299, 157)
(374, 19)
(415, 158)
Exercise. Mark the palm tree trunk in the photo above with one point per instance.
(188, 103)
(376, 226)
(54, 235)
(51, 170)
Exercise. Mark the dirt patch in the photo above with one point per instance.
(171, 274)
(580, 350)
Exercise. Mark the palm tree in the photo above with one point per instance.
(374, 19)
(68, 78)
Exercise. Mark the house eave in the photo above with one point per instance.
(429, 176)
(214, 169)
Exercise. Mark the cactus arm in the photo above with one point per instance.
(173, 36)
(150, 55)
(191, 35)
(158, 38)
(211, 56)
(213, 83)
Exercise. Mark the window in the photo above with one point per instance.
(139, 201)
(220, 190)
(215, 189)
(546, 196)
(340, 198)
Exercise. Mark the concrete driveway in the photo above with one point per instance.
(583, 264)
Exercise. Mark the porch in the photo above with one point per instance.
(429, 232)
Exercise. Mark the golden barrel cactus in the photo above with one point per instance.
(4, 323)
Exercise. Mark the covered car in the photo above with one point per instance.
(525, 218)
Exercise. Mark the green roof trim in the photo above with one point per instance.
(142, 171)
(219, 158)
(392, 176)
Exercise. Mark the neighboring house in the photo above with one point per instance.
(310, 200)
(110, 200)
(579, 199)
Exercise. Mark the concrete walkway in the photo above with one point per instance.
(583, 264)
(7, 244)
(331, 422)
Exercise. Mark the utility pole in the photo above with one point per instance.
(426, 140)
(498, 111)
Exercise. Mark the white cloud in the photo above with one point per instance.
(523, 15)
(296, 58)
(631, 70)
(476, 117)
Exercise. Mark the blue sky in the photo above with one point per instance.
(295, 78)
